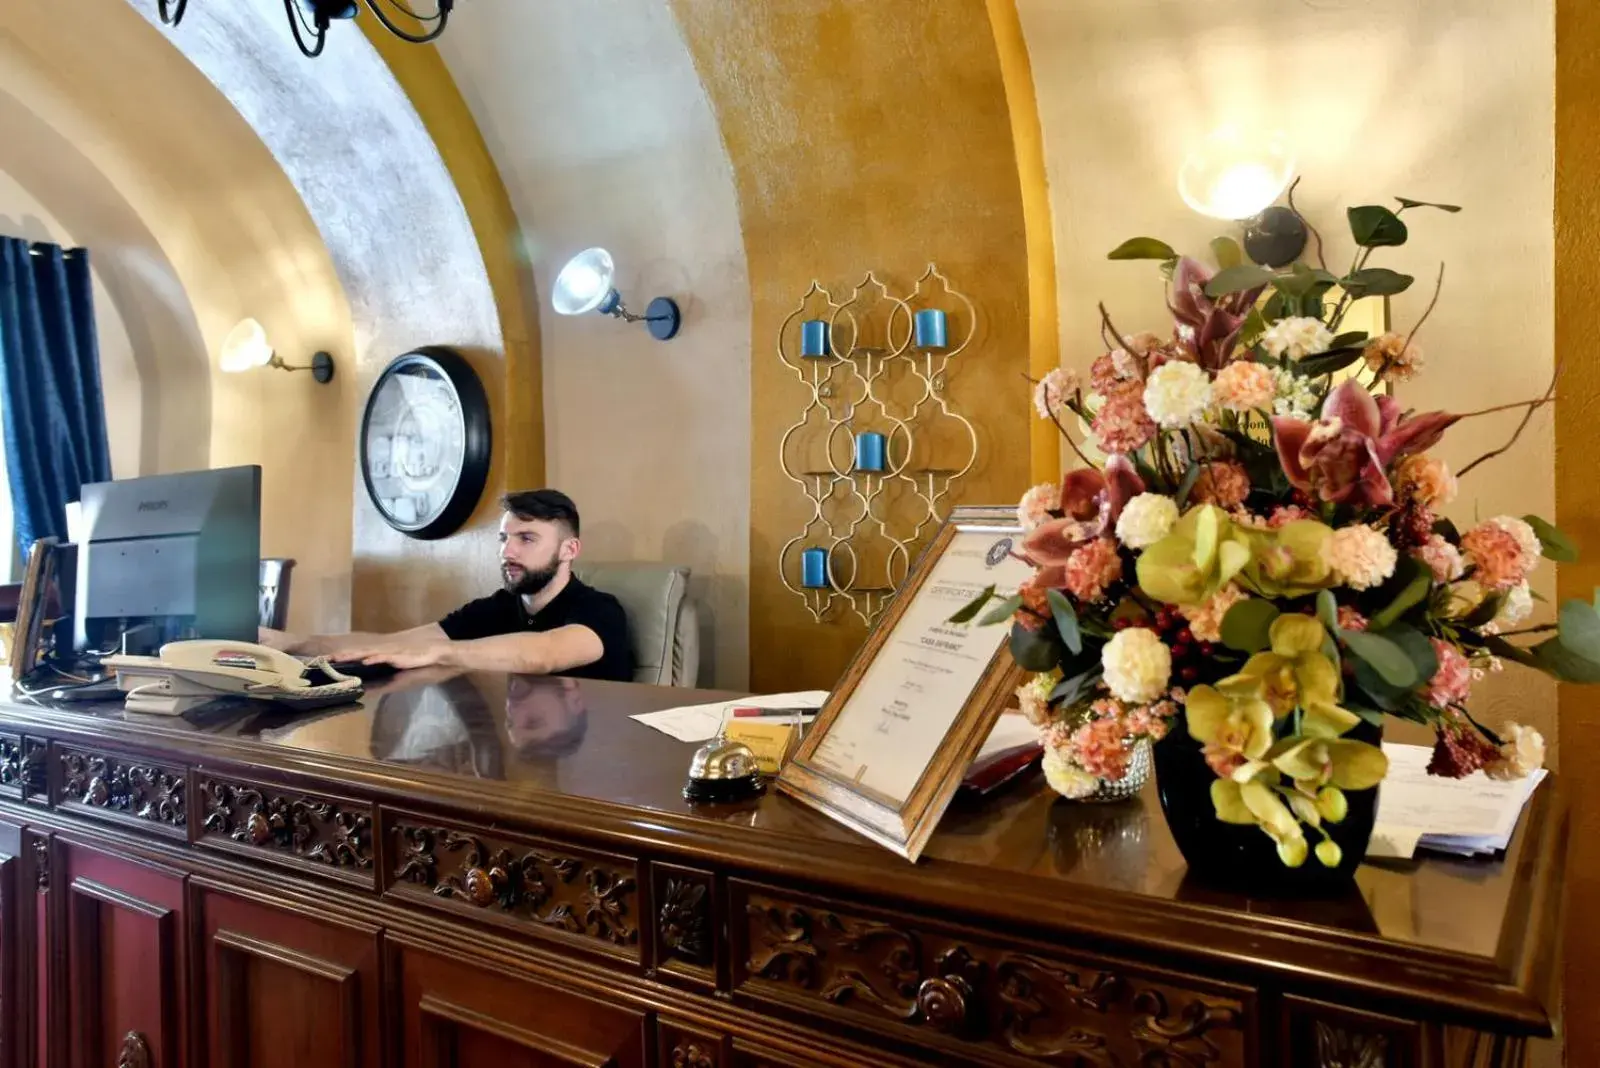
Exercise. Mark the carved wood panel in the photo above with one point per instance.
(10, 765)
(126, 971)
(12, 947)
(285, 990)
(33, 771)
(1323, 1035)
(460, 1014)
(122, 788)
(684, 926)
(1034, 1005)
(42, 955)
(541, 887)
(332, 837)
(681, 1045)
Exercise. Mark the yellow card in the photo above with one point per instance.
(771, 742)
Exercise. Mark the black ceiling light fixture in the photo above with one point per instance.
(309, 19)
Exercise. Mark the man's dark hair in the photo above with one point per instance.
(548, 504)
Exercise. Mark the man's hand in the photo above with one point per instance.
(280, 640)
(401, 655)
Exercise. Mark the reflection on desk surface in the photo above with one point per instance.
(510, 738)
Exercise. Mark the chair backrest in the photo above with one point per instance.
(661, 617)
(275, 572)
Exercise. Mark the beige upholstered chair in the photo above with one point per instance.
(662, 618)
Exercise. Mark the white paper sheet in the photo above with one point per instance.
(1465, 817)
(700, 723)
(1010, 731)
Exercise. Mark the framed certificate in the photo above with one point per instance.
(898, 733)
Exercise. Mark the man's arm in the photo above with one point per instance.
(350, 646)
(546, 653)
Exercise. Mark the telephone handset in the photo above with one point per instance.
(190, 673)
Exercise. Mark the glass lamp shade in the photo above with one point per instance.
(1236, 174)
(584, 284)
(245, 348)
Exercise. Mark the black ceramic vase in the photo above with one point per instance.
(1244, 858)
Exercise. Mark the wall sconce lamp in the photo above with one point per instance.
(584, 285)
(1237, 176)
(246, 348)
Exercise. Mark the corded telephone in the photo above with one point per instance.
(190, 673)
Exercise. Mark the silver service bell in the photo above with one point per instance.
(722, 770)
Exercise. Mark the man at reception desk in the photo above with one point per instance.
(544, 621)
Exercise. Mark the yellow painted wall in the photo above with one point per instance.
(1444, 102)
(864, 136)
(1577, 324)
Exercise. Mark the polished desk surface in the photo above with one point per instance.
(507, 745)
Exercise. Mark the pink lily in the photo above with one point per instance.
(1345, 455)
(1091, 501)
(1208, 327)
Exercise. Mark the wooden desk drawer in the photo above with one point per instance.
(934, 985)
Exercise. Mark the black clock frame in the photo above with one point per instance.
(473, 404)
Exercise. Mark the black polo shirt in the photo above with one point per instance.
(577, 604)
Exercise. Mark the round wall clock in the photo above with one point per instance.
(425, 442)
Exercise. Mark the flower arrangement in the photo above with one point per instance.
(1260, 561)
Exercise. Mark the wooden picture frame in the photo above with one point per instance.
(903, 819)
(31, 602)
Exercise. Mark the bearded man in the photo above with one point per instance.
(543, 621)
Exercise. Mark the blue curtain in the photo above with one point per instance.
(54, 411)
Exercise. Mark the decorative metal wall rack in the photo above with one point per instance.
(878, 445)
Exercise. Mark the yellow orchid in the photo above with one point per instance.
(1294, 674)
(1256, 802)
(1233, 733)
(1291, 563)
(1202, 553)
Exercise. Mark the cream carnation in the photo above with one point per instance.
(1205, 619)
(1137, 665)
(1053, 391)
(1521, 753)
(1033, 697)
(1066, 778)
(1442, 558)
(1146, 519)
(1297, 337)
(1361, 555)
(1517, 606)
(1425, 480)
(1243, 386)
(1037, 504)
(1177, 393)
(1527, 540)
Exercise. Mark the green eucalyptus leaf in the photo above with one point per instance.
(1371, 715)
(1375, 226)
(1578, 628)
(1407, 202)
(1254, 327)
(1409, 587)
(1555, 658)
(1487, 609)
(1237, 280)
(1069, 691)
(1553, 542)
(1035, 650)
(1447, 530)
(970, 610)
(1328, 611)
(1247, 624)
(1142, 248)
(1186, 484)
(1344, 341)
(1384, 656)
(1326, 363)
(1375, 282)
(1066, 620)
(1227, 252)
(1001, 612)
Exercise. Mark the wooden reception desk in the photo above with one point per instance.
(488, 872)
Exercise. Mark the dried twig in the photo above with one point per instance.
(1533, 406)
(1437, 286)
(1072, 444)
(1320, 261)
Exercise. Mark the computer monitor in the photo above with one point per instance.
(167, 558)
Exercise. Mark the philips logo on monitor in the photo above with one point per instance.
(152, 506)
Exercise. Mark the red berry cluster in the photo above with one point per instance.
(1189, 655)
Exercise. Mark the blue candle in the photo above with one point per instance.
(814, 569)
(814, 339)
(869, 451)
(930, 329)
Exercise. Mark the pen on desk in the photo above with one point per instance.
(772, 713)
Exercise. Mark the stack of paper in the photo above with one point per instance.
(700, 723)
(1465, 817)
